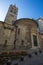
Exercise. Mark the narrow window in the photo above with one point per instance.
(18, 31)
(22, 42)
(14, 44)
(5, 43)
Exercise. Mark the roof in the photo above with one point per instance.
(25, 19)
(41, 18)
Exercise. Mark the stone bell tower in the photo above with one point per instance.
(11, 14)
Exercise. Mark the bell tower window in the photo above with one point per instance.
(10, 10)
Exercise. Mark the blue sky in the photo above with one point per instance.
(26, 8)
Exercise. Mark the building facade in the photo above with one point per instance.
(26, 33)
(18, 33)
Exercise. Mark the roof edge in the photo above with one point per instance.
(25, 19)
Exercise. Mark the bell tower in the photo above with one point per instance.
(11, 14)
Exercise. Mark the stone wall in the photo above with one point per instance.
(1, 34)
(19, 35)
(24, 31)
(41, 40)
(7, 36)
